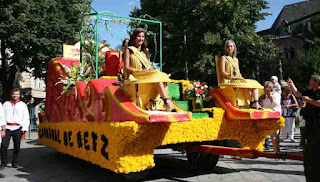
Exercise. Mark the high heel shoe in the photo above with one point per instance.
(166, 105)
(253, 107)
(152, 104)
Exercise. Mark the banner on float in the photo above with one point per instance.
(71, 51)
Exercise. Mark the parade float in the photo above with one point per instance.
(95, 120)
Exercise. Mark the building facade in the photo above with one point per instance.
(289, 32)
(34, 92)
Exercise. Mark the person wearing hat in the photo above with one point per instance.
(276, 85)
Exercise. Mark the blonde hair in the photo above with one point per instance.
(235, 48)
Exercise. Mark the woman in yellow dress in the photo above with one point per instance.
(138, 69)
(231, 78)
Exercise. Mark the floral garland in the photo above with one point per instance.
(125, 147)
(109, 77)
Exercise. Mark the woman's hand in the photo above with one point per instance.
(271, 98)
(305, 98)
(290, 83)
(236, 78)
(3, 133)
(146, 70)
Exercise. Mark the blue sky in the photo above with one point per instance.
(275, 8)
(119, 7)
(123, 7)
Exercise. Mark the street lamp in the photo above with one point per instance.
(186, 63)
(280, 71)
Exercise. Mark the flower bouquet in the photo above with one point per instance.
(198, 92)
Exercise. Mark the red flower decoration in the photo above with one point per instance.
(199, 91)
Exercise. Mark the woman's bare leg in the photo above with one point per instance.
(163, 94)
(275, 142)
(151, 105)
(255, 95)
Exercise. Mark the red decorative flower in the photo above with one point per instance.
(199, 91)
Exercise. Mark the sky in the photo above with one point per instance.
(119, 7)
(275, 8)
(123, 7)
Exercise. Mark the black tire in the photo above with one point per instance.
(138, 176)
(202, 161)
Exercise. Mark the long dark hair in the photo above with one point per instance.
(144, 46)
(124, 42)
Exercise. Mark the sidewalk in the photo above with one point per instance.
(288, 146)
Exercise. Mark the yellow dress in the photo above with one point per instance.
(238, 91)
(138, 61)
(140, 85)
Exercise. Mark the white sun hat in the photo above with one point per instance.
(274, 78)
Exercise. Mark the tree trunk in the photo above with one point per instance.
(4, 78)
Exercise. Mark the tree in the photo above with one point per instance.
(309, 65)
(32, 33)
(207, 25)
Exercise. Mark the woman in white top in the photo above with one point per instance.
(272, 101)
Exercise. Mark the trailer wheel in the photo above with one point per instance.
(137, 176)
(202, 161)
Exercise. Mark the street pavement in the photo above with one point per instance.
(42, 164)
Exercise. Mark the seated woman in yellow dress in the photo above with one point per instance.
(232, 80)
(138, 70)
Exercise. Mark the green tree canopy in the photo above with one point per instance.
(310, 64)
(32, 33)
(207, 24)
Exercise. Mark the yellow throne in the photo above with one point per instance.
(235, 91)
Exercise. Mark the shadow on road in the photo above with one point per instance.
(274, 162)
(273, 171)
(46, 164)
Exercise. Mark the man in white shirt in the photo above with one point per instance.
(272, 101)
(17, 122)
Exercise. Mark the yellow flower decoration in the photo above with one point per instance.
(190, 86)
(125, 147)
(109, 77)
